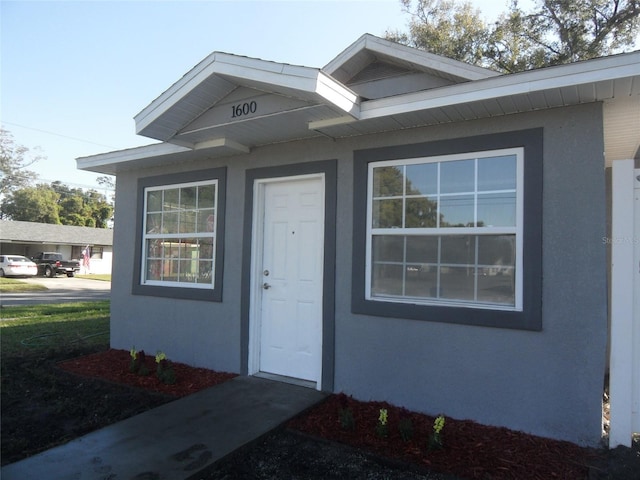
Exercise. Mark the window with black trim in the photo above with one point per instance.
(446, 230)
(179, 252)
(451, 231)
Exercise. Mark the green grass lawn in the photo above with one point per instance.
(36, 328)
(11, 285)
(104, 277)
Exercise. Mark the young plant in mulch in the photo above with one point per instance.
(137, 364)
(164, 371)
(345, 414)
(435, 439)
(405, 426)
(382, 427)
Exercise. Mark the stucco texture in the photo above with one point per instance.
(546, 382)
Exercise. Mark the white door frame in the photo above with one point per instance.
(256, 275)
(624, 359)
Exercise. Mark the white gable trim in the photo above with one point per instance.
(411, 57)
(222, 73)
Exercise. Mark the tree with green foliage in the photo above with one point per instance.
(14, 162)
(553, 32)
(32, 204)
(58, 203)
(82, 208)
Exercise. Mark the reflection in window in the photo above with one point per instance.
(180, 234)
(446, 230)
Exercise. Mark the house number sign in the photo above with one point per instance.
(242, 109)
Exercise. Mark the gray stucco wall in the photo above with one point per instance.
(547, 383)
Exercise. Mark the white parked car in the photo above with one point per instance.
(17, 265)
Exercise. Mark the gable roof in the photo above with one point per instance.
(228, 104)
(214, 84)
(369, 49)
(32, 232)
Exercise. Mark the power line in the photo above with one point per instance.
(78, 185)
(58, 134)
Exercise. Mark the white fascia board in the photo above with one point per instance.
(409, 55)
(234, 69)
(429, 60)
(128, 155)
(591, 71)
(176, 91)
(338, 94)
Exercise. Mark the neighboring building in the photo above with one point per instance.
(396, 226)
(29, 238)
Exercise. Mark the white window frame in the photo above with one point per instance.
(516, 230)
(149, 236)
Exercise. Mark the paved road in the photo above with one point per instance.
(61, 289)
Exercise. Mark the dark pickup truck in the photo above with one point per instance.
(51, 264)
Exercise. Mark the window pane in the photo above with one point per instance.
(170, 222)
(497, 286)
(422, 249)
(421, 281)
(206, 220)
(170, 270)
(497, 250)
(154, 201)
(421, 213)
(496, 269)
(388, 248)
(497, 210)
(456, 211)
(458, 250)
(458, 176)
(154, 270)
(457, 282)
(206, 196)
(387, 213)
(422, 179)
(497, 173)
(386, 279)
(154, 223)
(204, 271)
(188, 221)
(206, 249)
(171, 199)
(387, 181)
(188, 198)
(188, 270)
(171, 248)
(154, 248)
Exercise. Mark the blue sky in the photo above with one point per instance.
(74, 74)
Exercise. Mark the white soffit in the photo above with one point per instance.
(155, 155)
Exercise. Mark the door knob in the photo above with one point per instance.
(266, 286)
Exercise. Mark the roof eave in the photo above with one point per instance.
(587, 72)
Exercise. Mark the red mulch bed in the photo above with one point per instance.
(471, 450)
(113, 365)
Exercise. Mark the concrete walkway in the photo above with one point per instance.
(174, 440)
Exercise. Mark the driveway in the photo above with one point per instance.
(60, 290)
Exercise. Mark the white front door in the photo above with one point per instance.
(288, 277)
